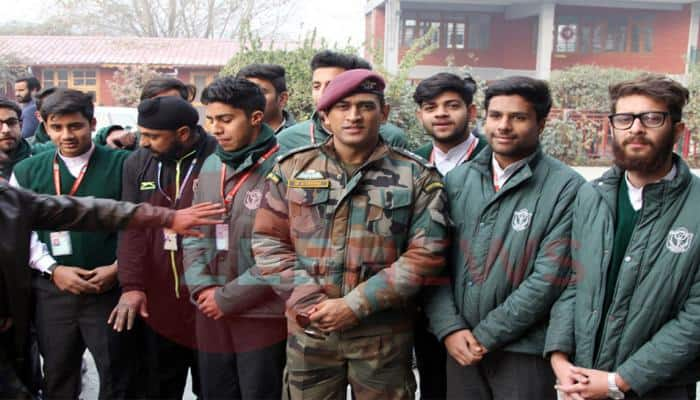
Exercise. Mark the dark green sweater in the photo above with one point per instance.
(624, 226)
(102, 180)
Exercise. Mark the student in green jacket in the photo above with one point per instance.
(511, 206)
(630, 318)
(13, 148)
(325, 66)
(445, 109)
(273, 83)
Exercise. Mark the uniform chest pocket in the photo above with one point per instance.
(389, 211)
(307, 209)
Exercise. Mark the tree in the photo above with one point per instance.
(295, 62)
(173, 18)
(128, 81)
(11, 68)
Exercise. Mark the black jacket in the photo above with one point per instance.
(22, 211)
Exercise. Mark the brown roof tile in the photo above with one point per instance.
(94, 50)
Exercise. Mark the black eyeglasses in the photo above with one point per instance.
(650, 119)
(11, 122)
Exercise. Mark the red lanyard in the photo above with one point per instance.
(468, 154)
(495, 183)
(57, 177)
(228, 198)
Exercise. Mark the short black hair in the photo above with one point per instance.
(534, 91)
(39, 98)
(67, 101)
(273, 73)
(9, 104)
(442, 82)
(328, 58)
(236, 92)
(32, 82)
(156, 86)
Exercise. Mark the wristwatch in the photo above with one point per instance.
(48, 274)
(614, 392)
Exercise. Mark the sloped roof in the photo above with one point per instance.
(96, 50)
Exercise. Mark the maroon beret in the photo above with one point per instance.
(348, 83)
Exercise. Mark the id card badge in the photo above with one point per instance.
(222, 237)
(169, 240)
(60, 243)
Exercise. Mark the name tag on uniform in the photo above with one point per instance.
(310, 183)
(60, 243)
(169, 240)
(222, 237)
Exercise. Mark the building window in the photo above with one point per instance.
(459, 30)
(479, 34)
(409, 31)
(454, 37)
(616, 34)
(85, 81)
(54, 78)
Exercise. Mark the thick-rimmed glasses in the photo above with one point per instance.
(11, 122)
(650, 119)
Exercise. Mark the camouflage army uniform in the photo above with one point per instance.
(373, 238)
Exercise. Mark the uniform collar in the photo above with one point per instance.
(636, 194)
(455, 156)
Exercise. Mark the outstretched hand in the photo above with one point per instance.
(187, 218)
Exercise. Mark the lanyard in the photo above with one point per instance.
(179, 189)
(312, 128)
(468, 154)
(57, 177)
(228, 198)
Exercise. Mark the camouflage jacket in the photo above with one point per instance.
(373, 238)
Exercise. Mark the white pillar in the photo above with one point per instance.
(545, 40)
(392, 23)
(692, 54)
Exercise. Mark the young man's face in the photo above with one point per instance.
(640, 148)
(231, 127)
(512, 128)
(274, 102)
(355, 120)
(10, 130)
(446, 118)
(320, 78)
(71, 133)
(22, 92)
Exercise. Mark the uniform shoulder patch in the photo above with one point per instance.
(415, 157)
(282, 157)
(432, 186)
(273, 177)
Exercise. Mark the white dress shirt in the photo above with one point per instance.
(445, 162)
(501, 175)
(39, 256)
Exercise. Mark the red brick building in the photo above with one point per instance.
(88, 63)
(534, 37)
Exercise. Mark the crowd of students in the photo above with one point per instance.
(337, 255)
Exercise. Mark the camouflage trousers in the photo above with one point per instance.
(376, 367)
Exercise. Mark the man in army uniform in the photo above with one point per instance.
(352, 229)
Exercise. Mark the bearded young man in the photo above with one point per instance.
(630, 318)
(12, 145)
